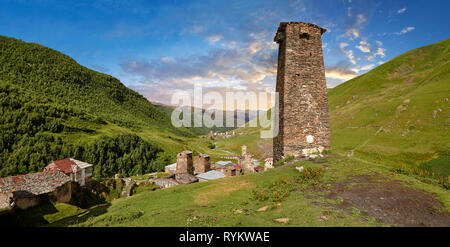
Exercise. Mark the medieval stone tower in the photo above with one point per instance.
(303, 103)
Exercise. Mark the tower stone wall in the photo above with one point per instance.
(303, 103)
(184, 163)
(201, 163)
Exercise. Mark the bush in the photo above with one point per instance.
(424, 175)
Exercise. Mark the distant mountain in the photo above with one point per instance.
(248, 115)
(52, 107)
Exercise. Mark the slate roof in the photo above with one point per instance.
(33, 184)
(81, 164)
(211, 175)
(223, 163)
(172, 166)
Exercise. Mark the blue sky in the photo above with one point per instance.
(158, 47)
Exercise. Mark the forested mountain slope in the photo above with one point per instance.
(52, 107)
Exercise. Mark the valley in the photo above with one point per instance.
(388, 165)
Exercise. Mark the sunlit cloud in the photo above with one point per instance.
(352, 33)
(367, 67)
(380, 52)
(364, 47)
(340, 73)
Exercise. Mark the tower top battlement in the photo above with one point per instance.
(305, 27)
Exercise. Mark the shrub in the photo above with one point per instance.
(424, 175)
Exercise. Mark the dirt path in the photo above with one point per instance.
(391, 202)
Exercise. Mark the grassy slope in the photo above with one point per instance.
(215, 203)
(358, 108)
(388, 112)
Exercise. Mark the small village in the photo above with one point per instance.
(190, 169)
(61, 179)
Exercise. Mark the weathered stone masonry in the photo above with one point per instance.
(184, 163)
(303, 102)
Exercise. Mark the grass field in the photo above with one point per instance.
(232, 202)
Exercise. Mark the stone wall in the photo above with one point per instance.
(201, 163)
(247, 163)
(184, 163)
(63, 193)
(27, 202)
(303, 102)
(230, 170)
(164, 182)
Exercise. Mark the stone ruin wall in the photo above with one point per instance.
(303, 108)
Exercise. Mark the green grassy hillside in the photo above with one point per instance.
(339, 191)
(399, 112)
(52, 108)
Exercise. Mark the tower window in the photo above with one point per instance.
(304, 36)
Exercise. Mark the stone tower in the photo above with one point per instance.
(303, 104)
(201, 163)
(184, 163)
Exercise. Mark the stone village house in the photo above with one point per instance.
(78, 171)
(55, 183)
(25, 191)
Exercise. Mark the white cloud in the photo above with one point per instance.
(340, 74)
(165, 59)
(360, 19)
(379, 42)
(364, 47)
(405, 30)
(343, 45)
(401, 10)
(348, 53)
(352, 33)
(367, 67)
(380, 52)
(212, 39)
